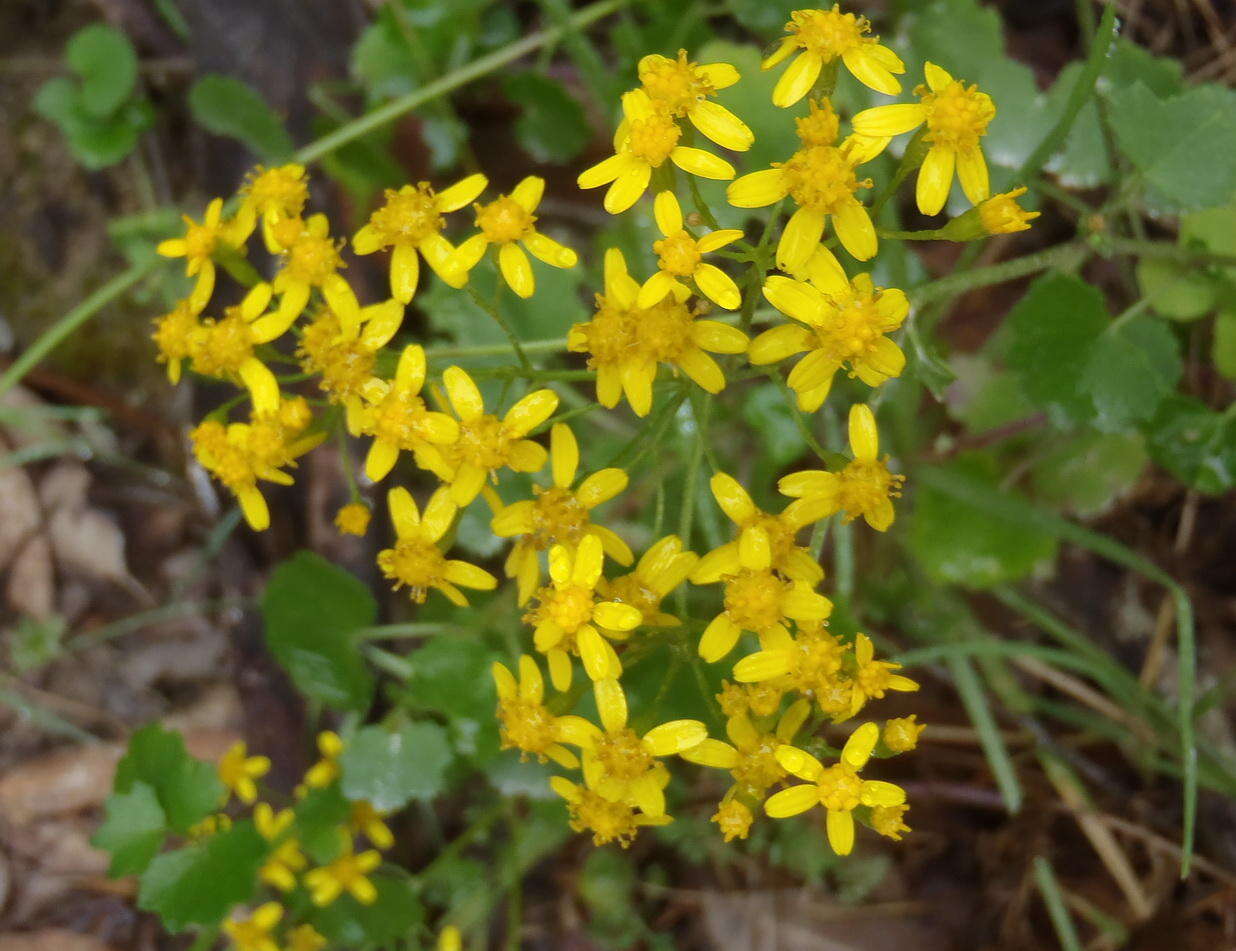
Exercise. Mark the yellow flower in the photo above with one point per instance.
(310, 258)
(486, 443)
(750, 756)
(367, 821)
(224, 348)
(274, 195)
(680, 257)
(326, 770)
(524, 722)
(841, 323)
(174, 333)
(873, 677)
(198, 245)
(1000, 214)
(622, 766)
(957, 117)
(627, 342)
(285, 860)
(839, 788)
(567, 615)
(254, 933)
(450, 939)
(558, 515)
(507, 222)
(607, 821)
(646, 139)
(305, 938)
(685, 89)
(733, 818)
(416, 561)
(901, 734)
(411, 221)
(760, 699)
(239, 771)
(661, 569)
(344, 362)
(353, 519)
(889, 821)
(824, 36)
(211, 825)
(396, 416)
(821, 180)
(761, 602)
(809, 663)
(864, 487)
(764, 541)
(347, 873)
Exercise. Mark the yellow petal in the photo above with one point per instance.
(701, 163)
(410, 371)
(516, 269)
(404, 514)
(937, 77)
(775, 345)
(869, 71)
(604, 171)
(464, 395)
(527, 194)
(864, 439)
(858, 747)
(798, 79)
(600, 661)
(712, 753)
(718, 638)
(972, 170)
(721, 125)
(732, 498)
(655, 289)
(253, 507)
(380, 459)
(674, 737)
(601, 487)
(762, 665)
(668, 213)
(627, 187)
(855, 231)
(470, 576)
(716, 337)
(792, 801)
(718, 239)
(546, 249)
(800, 238)
(717, 286)
(262, 386)
(841, 831)
(462, 193)
(799, 762)
(703, 370)
(504, 681)
(611, 704)
(883, 121)
(875, 792)
(530, 412)
(563, 454)
(589, 560)
(617, 617)
(935, 178)
(754, 549)
(757, 189)
(559, 670)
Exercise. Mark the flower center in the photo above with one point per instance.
(653, 138)
(664, 330)
(607, 821)
(758, 767)
(344, 365)
(504, 220)
(409, 216)
(526, 726)
(957, 116)
(277, 189)
(817, 660)
(610, 334)
(417, 564)
(865, 485)
(558, 518)
(676, 85)
(753, 599)
(678, 254)
(484, 442)
(570, 607)
(829, 33)
(200, 240)
(854, 330)
(312, 259)
(622, 756)
(840, 788)
(224, 459)
(821, 178)
(174, 332)
(630, 589)
(220, 347)
(399, 419)
(819, 127)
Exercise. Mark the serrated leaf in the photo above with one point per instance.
(395, 917)
(1184, 146)
(201, 883)
(1194, 443)
(188, 789)
(132, 831)
(1088, 474)
(451, 675)
(552, 126)
(1132, 367)
(311, 610)
(389, 769)
(226, 106)
(104, 59)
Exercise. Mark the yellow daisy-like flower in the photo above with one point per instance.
(622, 766)
(761, 602)
(255, 932)
(808, 663)
(310, 259)
(822, 182)
(889, 821)
(238, 771)
(841, 323)
(174, 333)
(900, 735)
(1001, 214)
(646, 139)
(765, 542)
(680, 257)
(864, 487)
(523, 720)
(685, 89)
(558, 515)
(353, 519)
(416, 561)
(759, 699)
(200, 242)
(285, 860)
(839, 788)
(365, 820)
(661, 569)
(824, 36)
(750, 756)
(872, 678)
(326, 770)
(957, 117)
(626, 343)
(274, 195)
(394, 414)
(507, 222)
(607, 821)
(411, 221)
(486, 443)
(305, 938)
(567, 615)
(343, 361)
(347, 873)
(450, 939)
(224, 348)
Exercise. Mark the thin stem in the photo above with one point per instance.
(556, 345)
(700, 415)
(1063, 256)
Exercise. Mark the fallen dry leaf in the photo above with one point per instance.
(53, 939)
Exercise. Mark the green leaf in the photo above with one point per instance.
(1223, 346)
(1088, 474)
(35, 642)
(984, 397)
(1213, 229)
(188, 789)
(960, 544)
(765, 410)
(388, 769)
(1183, 146)
(451, 675)
(1175, 289)
(395, 917)
(318, 818)
(552, 126)
(1132, 367)
(201, 883)
(1195, 444)
(104, 59)
(381, 59)
(133, 830)
(96, 143)
(226, 106)
(1051, 332)
(311, 609)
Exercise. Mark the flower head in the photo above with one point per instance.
(1001, 214)
(889, 821)
(838, 788)
(661, 569)
(285, 859)
(365, 820)
(524, 722)
(239, 772)
(685, 89)
(900, 735)
(733, 818)
(680, 257)
(326, 770)
(347, 873)
(273, 195)
(762, 602)
(416, 562)
(750, 754)
(200, 241)
(647, 139)
(607, 821)
(956, 116)
(864, 487)
(353, 519)
(872, 678)
(310, 259)
(255, 932)
(224, 348)
(411, 222)
(174, 333)
(305, 938)
(824, 36)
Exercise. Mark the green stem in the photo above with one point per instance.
(556, 345)
(687, 518)
(932, 234)
(1165, 249)
(494, 311)
(53, 335)
(1062, 256)
(479, 67)
(1053, 897)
